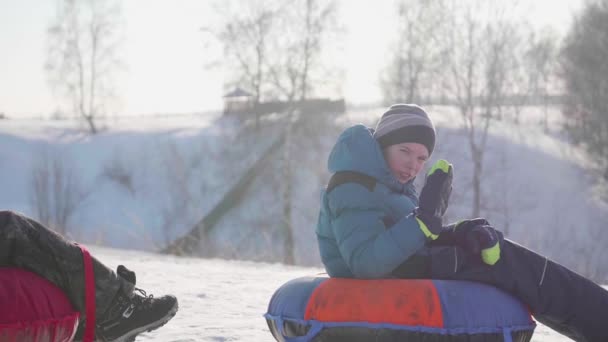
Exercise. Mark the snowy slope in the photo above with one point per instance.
(176, 168)
(220, 300)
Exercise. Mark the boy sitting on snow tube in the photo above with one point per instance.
(373, 225)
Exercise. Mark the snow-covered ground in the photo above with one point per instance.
(220, 300)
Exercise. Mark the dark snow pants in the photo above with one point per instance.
(27, 244)
(556, 296)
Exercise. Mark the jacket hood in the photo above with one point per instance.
(357, 150)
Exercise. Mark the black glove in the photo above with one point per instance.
(434, 197)
(476, 236)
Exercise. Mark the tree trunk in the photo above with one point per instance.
(91, 122)
(289, 258)
(476, 188)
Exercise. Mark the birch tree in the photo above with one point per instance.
(83, 56)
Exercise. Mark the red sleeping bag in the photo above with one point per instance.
(34, 309)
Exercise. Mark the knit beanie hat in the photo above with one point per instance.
(405, 123)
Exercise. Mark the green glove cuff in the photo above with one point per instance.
(425, 230)
(491, 255)
(442, 165)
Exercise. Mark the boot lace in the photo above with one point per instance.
(145, 300)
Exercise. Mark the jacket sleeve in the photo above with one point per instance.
(447, 237)
(370, 249)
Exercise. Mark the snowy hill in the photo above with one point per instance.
(220, 300)
(146, 181)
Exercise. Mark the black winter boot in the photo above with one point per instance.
(130, 315)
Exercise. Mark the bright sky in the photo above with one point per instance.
(164, 53)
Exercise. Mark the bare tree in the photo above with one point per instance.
(56, 191)
(306, 28)
(416, 56)
(539, 60)
(585, 73)
(310, 22)
(245, 34)
(477, 76)
(83, 56)
(274, 48)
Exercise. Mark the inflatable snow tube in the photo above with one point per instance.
(387, 310)
(34, 309)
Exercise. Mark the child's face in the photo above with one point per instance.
(405, 160)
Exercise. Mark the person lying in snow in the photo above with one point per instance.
(372, 224)
(122, 310)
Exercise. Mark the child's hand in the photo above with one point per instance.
(478, 237)
(434, 197)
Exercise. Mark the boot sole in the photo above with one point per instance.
(131, 335)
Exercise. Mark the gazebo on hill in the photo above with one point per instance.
(241, 102)
(238, 101)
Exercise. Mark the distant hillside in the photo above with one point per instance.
(144, 182)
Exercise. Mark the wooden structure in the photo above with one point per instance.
(241, 102)
(238, 101)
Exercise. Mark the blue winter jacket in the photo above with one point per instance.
(366, 232)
